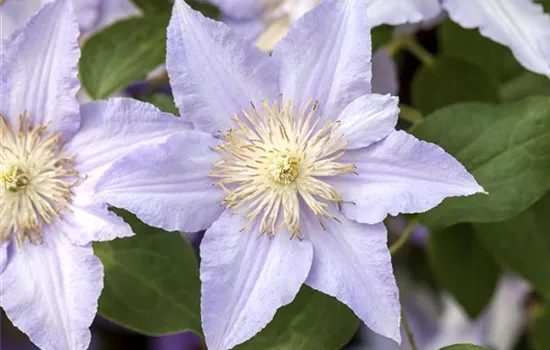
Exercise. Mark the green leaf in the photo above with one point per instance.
(464, 347)
(312, 321)
(205, 8)
(506, 148)
(123, 54)
(163, 102)
(381, 35)
(451, 80)
(525, 85)
(463, 267)
(469, 45)
(522, 244)
(151, 281)
(153, 6)
(540, 333)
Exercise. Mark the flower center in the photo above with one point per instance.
(36, 179)
(14, 178)
(284, 168)
(276, 163)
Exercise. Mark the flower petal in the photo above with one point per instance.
(214, 73)
(521, 25)
(111, 129)
(368, 119)
(396, 12)
(50, 291)
(111, 11)
(246, 278)
(241, 9)
(167, 185)
(4, 250)
(351, 262)
(93, 222)
(39, 73)
(385, 79)
(401, 174)
(326, 56)
(14, 14)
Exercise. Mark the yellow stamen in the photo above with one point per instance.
(272, 163)
(36, 179)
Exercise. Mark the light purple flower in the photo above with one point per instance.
(521, 25)
(269, 20)
(91, 14)
(302, 136)
(499, 326)
(52, 153)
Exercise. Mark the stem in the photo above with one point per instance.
(410, 114)
(404, 236)
(408, 330)
(410, 43)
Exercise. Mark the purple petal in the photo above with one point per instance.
(50, 291)
(351, 262)
(522, 25)
(167, 185)
(39, 73)
(401, 174)
(385, 79)
(396, 12)
(246, 278)
(214, 73)
(368, 119)
(93, 222)
(326, 56)
(4, 249)
(241, 9)
(111, 129)
(108, 12)
(248, 29)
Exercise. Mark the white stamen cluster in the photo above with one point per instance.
(273, 164)
(36, 179)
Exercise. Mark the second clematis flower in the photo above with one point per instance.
(291, 168)
(52, 152)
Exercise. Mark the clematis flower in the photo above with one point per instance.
(306, 166)
(91, 14)
(52, 152)
(272, 18)
(500, 326)
(520, 25)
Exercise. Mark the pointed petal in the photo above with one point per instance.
(397, 12)
(401, 174)
(368, 119)
(39, 73)
(246, 278)
(214, 73)
(167, 185)
(352, 263)
(91, 221)
(50, 291)
(111, 129)
(326, 56)
(521, 25)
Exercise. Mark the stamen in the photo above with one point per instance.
(271, 164)
(36, 179)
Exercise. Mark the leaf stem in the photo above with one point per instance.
(410, 44)
(408, 330)
(404, 236)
